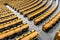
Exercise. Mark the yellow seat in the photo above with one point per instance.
(57, 35)
(22, 7)
(8, 18)
(25, 13)
(38, 12)
(31, 5)
(52, 21)
(12, 31)
(10, 23)
(45, 14)
(32, 35)
(8, 14)
(16, 5)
